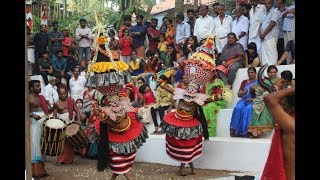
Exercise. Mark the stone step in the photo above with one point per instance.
(220, 153)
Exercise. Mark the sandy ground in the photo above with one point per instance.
(84, 168)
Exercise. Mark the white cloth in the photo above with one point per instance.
(271, 15)
(182, 32)
(268, 51)
(65, 117)
(77, 87)
(30, 52)
(256, 40)
(221, 31)
(35, 136)
(203, 27)
(51, 94)
(83, 42)
(241, 25)
(145, 113)
(255, 20)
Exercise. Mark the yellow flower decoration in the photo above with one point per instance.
(102, 40)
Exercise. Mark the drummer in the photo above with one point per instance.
(66, 110)
(38, 112)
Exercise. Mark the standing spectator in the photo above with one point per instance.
(290, 47)
(59, 65)
(153, 35)
(77, 84)
(127, 25)
(163, 27)
(66, 43)
(246, 9)
(41, 42)
(30, 49)
(255, 13)
(204, 24)
(215, 9)
(114, 44)
(240, 27)
(56, 37)
(38, 113)
(182, 30)
(126, 46)
(289, 24)
(280, 42)
(191, 20)
(45, 66)
(268, 32)
(84, 37)
(138, 33)
(222, 26)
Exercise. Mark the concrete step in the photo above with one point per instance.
(220, 153)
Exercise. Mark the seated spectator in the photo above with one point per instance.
(184, 83)
(136, 65)
(50, 91)
(290, 47)
(60, 66)
(230, 60)
(242, 112)
(286, 79)
(251, 56)
(191, 45)
(45, 66)
(261, 120)
(149, 101)
(72, 62)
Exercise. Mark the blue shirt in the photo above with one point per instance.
(138, 40)
(59, 64)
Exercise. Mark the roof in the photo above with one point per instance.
(170, 4)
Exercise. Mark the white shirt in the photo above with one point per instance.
(272, 15)
(255, 20)
(203, 27)
(182, 32)
(77, 87)
(241, 25)
(51, 94)
(224, 28)
(84, 42)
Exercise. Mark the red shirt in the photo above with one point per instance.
(120, 34)
(149, 98)
(65, 49)
(126, 43)
(153, 43)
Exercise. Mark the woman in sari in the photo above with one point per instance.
(243, 110)
(261, 120)
(231, 59)
(211, 110)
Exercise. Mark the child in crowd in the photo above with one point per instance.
(149, 101)
(162, 47)
(126, 43)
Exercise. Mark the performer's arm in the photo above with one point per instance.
(275, 106)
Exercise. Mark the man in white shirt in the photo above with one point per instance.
(85, 38)
(50, 91)
(255, 14)
(222, 27)
(268, 32)
(240, 27)
(77, 84)
(203, 27)
(182, 30)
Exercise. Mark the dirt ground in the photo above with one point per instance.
(84, 168)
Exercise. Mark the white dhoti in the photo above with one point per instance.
(35, 137)
(256, 40)
(220, 43)
(268, 52)
(221, 39)
(31, 59)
